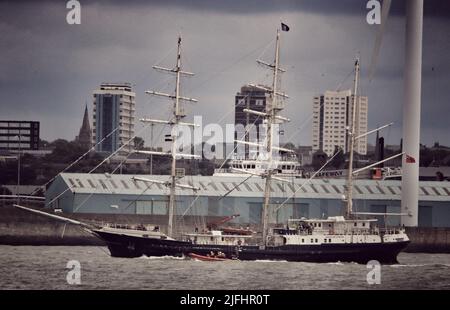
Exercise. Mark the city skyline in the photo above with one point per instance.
(50, 68)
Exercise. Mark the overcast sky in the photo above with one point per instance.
(49, 69)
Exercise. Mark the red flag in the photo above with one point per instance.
(410, 159)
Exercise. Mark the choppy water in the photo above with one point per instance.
(44, 267)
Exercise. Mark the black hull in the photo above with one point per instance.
(130, 246)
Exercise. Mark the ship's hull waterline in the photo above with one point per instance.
(121, 245)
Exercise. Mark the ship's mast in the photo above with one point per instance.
(176, 117)
(270, 118)
(175, 122)
(352, 140)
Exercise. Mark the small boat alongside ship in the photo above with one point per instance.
(220, 257)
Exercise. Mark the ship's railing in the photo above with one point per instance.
(361, 231)
(222, 170)
(341, 232)
(391, 231)
(123, 226)
(351, 231)
(333, 233)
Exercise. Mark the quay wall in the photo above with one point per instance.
(19, 227)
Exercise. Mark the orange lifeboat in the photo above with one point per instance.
(207, 258)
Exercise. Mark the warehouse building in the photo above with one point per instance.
(223, 196)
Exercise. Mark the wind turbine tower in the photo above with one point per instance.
(411, 112)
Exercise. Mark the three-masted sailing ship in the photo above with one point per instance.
(338, 238)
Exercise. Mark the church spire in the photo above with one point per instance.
(84, 137)
(86, 125)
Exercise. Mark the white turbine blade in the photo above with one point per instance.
(379, 38)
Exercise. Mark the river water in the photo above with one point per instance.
(45, 267)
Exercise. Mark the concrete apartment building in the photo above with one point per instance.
(114, 107)
(332, 115)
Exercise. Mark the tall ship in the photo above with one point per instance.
(347, 238)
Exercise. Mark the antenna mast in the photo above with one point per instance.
(352, 139)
